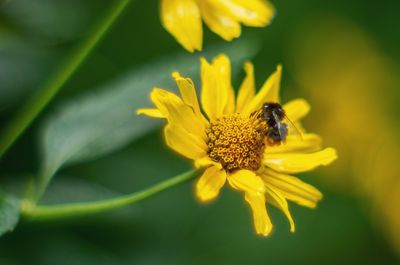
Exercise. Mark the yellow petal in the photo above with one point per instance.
(292, 188)
(247, 88)
(298, 162)
(230, 105)
(256, 13)
(210, 183)
(206, 162)
(253, 187)
(177, 112)
(188, 93)
(222, 65)
(154, 113)
(278, 200)
(296, 109)
(213, 95)
(187, 90)
(246, 180)
(184, 143)
(219, 21)
(182, 19)
(262, 222)
(269, 92)
(306, 143)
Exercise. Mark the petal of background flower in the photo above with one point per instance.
(222, 65)
(247, 181)
(188, 93)
(269, 92)
(182, 19)
(295, 144)
(261, 220)
(219, 21)
(278, 200)
(247, 88)
(210, 183)
(154, 113)
(172, 107)
(296, 109)
(213, 95)
(292, 188)
(256, 13)
(298, 162)
(186, 144)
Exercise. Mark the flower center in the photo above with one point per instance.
(237, 142)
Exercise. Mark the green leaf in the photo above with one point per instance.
(9, 212)
(56, 21)
(69, 189)
(105, 120)
(19, 58)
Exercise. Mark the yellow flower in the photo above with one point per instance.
(182, 18)
(229, 140)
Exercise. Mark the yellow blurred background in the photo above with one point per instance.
(352, 86)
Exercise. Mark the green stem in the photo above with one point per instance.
(50, 212)
(39, 100)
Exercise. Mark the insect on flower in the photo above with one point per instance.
(277, 122)
(235, 139)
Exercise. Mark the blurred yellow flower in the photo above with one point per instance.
(230, 142)
(361, 124)
(182, 18)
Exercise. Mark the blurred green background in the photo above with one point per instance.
(342, 56)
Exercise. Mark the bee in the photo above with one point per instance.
(277, 123)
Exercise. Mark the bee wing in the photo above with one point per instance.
(293, 128)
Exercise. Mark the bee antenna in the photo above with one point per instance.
(256, 113)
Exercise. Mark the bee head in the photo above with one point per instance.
(271, 110)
